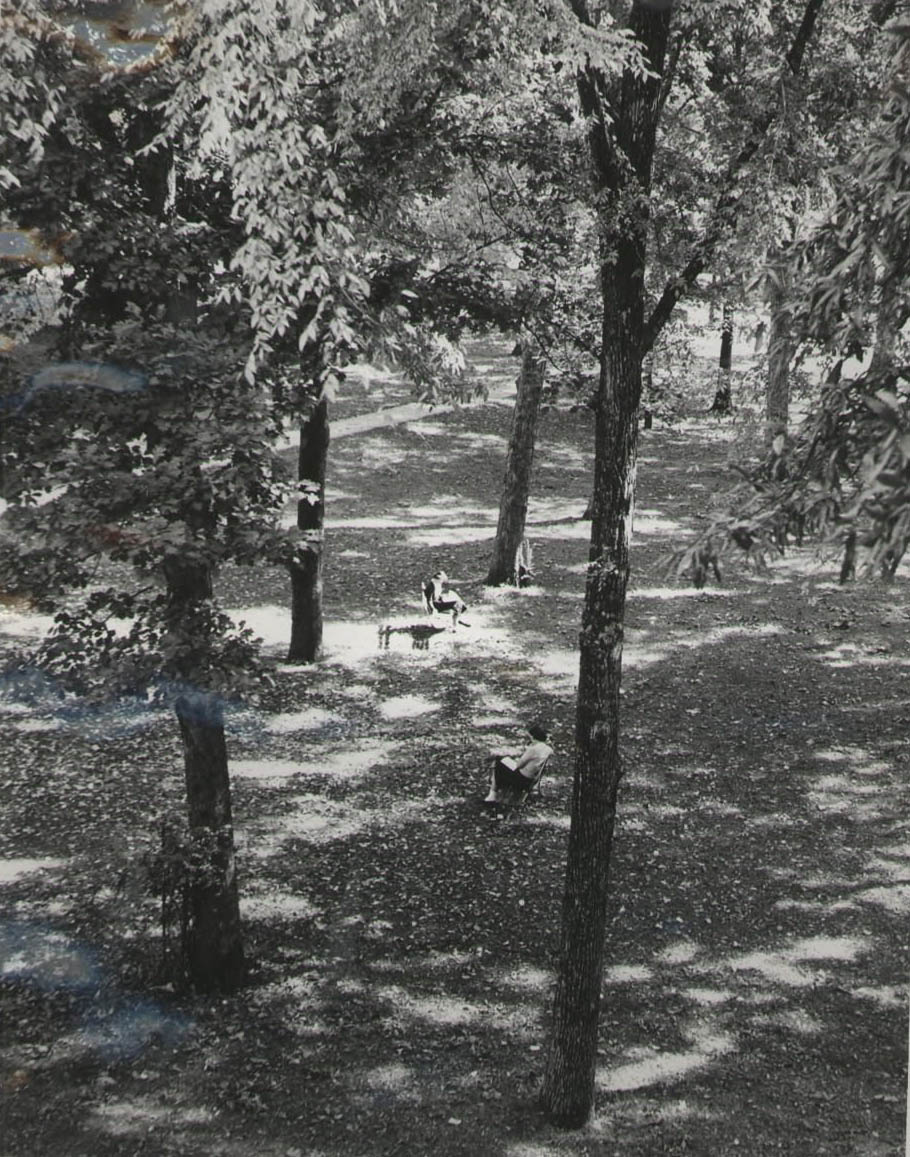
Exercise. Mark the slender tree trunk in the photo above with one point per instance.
(622, 156)
(215, 946)
(723, 396)
(513, 506)
(306, 570)
(781, 348)
(215, 949)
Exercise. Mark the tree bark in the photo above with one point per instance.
(723, 396)
(781, 348)
(513, 506)
(622, 155)
(215, 949)
(307, 568)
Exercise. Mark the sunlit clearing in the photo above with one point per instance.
(652, 522)
(796, 1020)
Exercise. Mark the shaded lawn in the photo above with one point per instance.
(402, 940)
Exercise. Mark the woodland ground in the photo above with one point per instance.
(402, 939)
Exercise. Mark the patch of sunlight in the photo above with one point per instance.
(358, 691)
(885, 995)
(528, 1149)
(407, 707)
(659, 1068)
(561, 823)
(442, 960)
(902, 850)
(543, 512)
(838, 793)
(667, 811)
(142, 1114)
(707, 997)
(269, 906)
(345, 763)
(849, 655)
(772, 966)
(293, 988)
(14, 709)
(796, 1020)
(826, 948)
(627, 974)
(638, 655)
(286, 723)
(895, 869)
(350, 554)
(528, 978)
(37, 725)
(12, 869)
(264, 768)
(716, 807)
(24, 624)
(555, 531)
(457, 535)
(679, 953)
(560, 662)
(689, 592)
(861, 761)
(444, 1010)
(773, 820)
(394, 1077)
(814, 905)
(652, 523)
(269, 622)
(494, 721)
(895, 898)
(316, 821)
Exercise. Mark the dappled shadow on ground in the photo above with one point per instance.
(403, 939)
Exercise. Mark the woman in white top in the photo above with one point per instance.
(520, 772)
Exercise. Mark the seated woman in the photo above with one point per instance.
(519, 773)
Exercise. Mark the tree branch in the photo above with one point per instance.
(726, 208)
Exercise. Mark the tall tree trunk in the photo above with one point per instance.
(513, 506)
(215, 948)
(723, 397)
(215, 945)
(306, 570)
(626, 144)
(781, 348)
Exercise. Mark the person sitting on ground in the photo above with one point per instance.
(519, 773)
(436, 599)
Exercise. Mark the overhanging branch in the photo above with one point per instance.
(726, 208)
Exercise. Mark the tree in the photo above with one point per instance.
(141, 460)
(513, 505)
(623, 118)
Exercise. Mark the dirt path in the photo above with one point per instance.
(402, 939)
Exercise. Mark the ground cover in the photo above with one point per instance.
(401, 938)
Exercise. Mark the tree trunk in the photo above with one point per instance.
(513, 507)
(306, 570)
(723, 398)
(568, 1091)
(215, 948)
(780, 353)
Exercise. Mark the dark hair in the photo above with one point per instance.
(539, 730)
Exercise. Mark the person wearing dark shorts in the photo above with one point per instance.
(519, 773)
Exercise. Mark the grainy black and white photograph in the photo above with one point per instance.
(454, 578)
